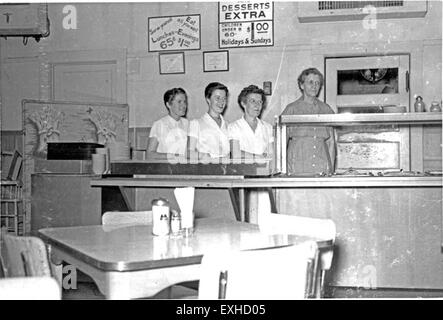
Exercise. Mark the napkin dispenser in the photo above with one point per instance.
(185, 200)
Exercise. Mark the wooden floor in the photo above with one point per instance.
(89, 291)
(360, 293)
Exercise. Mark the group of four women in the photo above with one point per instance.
(211, 139)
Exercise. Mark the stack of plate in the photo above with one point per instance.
(119, 151)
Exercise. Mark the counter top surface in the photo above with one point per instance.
(272, 182)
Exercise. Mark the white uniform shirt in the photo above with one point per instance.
(210, 137)
(255, 142)
(171, 135)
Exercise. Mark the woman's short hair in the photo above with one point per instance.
(210, 88)
(171, 93)
(307, 72)
(243, 96)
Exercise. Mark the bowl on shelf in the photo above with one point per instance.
(394, 109)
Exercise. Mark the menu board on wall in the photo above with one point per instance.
(245, 24)
(174, 33)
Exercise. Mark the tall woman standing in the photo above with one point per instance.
(311, 149)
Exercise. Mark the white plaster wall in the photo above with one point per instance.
(116, 26)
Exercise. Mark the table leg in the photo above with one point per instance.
(244, 206)
(272, 200)
(56, 266)
(235, 200)
(126, 198)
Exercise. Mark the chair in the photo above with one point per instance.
(116, 218)
(25, 288)
(277, 273)
(272, 223)
(24, 256)
(12, 208)
(12, 212)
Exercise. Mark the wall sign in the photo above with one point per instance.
(24, 19)
(174, 33)
(245, 24)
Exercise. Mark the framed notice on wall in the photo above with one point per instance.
(215, 61)
(245, 24)
(172, 62)
(174, 33)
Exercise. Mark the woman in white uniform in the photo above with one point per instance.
(208, 136)
(168, 136)
(251, 137)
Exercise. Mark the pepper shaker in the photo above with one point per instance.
(175, 223)
(419, 105)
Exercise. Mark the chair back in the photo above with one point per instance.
(24, 256)
(25, 288)
(323, 229)
(126, 217)
(277, 273)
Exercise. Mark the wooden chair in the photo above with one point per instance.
(29, 288)
(277, 273)
(12, 209)
(24, 256)
(325, 229)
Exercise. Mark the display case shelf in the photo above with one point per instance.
(357, 119)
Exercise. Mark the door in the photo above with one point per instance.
(89, 76)
(85, 82)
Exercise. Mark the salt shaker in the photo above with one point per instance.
(160, 217)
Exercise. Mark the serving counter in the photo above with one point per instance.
(389, 220)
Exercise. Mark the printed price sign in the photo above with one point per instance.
(174, 33)
(246, 24)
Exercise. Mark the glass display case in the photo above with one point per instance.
(344, 121)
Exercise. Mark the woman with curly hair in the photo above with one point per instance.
(251, 137)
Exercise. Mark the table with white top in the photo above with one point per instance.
(128, 262)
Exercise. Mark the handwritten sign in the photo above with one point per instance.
(174, 33)
(246, 24)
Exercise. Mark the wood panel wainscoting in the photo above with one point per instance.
(387, 238)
